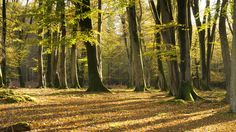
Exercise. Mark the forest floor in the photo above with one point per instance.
(121, 110)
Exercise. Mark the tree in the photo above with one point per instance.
(225, 46)
(168, 38)
(99, 50)
(186, 90)
(128, 51)
(95, 81)
(47, 36)
(211, 30)
(138, 72)
(233, 67)
(63, 73)
(156, 14)
(201, 36)
(41, 79)
(74, 56)
(4, 33)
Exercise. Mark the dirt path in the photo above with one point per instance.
(124, 110)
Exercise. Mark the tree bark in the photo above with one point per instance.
(41, 79)
(128, 52)
(186, 89)
(63, 73)
(225, 46)
(168, 37)
(99, 50)
(139, 81)
(201, 36)
(95, 82)
(233, 67)
(74, 71)
(4, 32)
(156, 16)
(210, 39)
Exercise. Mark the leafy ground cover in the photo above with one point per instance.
(121, 110)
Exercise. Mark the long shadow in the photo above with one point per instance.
(134, 116)
(68, 104)
(187, 126)
(101, 107)
(59, 113)
(131, 106)
(89, 105)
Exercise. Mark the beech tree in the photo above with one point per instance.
(156, 14)
(233, 68)
(185, 91)
(138, 72)
(4, 33)
(95, 81)
(41, 79)
(225, 46)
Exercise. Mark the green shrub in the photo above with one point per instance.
(9, 96)
(6, 93)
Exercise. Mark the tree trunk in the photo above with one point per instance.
(99, 50)
(4, 32)
(95, 82)
(49, 70)
(139, 81)
(63, 74)
(168, 37)
(41, 79)
(225, 47)
(81, 68)
(74, 71)
(186, 89)
(127, 47)
(233, 67)
(21, 77)
(156, 16)
(201, 36)
(210, 40)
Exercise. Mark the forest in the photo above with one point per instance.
(118, 65)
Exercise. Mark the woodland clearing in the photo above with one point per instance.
(121, 110)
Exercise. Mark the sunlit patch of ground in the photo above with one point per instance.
(123, 110)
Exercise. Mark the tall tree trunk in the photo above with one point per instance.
(186, 90)
(210, 39)
(74, 55)
(225, 46)
(139, 81)
(63, 73)
(48, 38)
(156, 16)
(127, 47)
(4, 32)
(95, 82)
(201, 36)
(168, 37)
(41, 78)
(233, 67)
(99, 50)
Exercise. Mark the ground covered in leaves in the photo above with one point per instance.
(121, 110)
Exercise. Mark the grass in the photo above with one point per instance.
(123, 110)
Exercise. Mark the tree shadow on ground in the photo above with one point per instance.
(98, 114)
